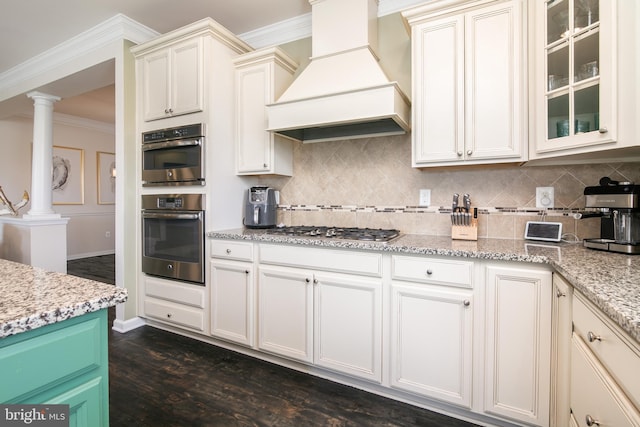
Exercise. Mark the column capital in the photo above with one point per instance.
(35, 95)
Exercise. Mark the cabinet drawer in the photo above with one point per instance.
(174, 313)
(229, 249)
(432, 270)
(594, 394)
(174, 291)
(344, 261)
(614, 350)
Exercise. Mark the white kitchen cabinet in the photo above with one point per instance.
(561, 352)
(575, 71)
(175, 303)
(517, 343)
(285, 312)
(604, 367)
(172, 80)
(312, 310)
(469, 83)
(261, 77)
(432, 341)
(232, 301)
(348, 325)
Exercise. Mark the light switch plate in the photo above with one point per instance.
(425, 197)
(544, 197)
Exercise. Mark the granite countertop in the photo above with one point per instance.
(32, 297)
(611, 281)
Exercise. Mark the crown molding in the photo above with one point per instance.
(115, 29)
(299, 27)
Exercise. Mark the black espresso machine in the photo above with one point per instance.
(618, 205)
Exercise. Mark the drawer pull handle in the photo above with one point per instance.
(429, 272)
(593, 337)
(591, 421)
(228, 251)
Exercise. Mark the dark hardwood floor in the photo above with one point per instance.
(161, 379)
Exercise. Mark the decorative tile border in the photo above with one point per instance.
(430, 209)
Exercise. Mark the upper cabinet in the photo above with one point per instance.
(584, 80)
(261, 77)
(172, 80)
(187, 71)
(469, 79)
(575, 71)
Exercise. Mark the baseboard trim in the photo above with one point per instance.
(124, 326)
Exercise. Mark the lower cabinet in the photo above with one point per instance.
(432, 341)
(63, 363)
(518, 343)
(431, 337)
(330, 320)
(605, 390)
(232, 301)
(176, 303)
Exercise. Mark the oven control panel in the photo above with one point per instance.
(170, 202)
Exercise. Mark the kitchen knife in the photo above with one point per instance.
(454, 208)
(466, 201)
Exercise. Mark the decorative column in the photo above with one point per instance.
(41, 194)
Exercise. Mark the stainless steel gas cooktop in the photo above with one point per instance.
(347, 233)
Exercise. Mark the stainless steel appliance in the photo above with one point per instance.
(173, 236)
(346, 233)
(173, 156)
(618, 204)
(260, 207)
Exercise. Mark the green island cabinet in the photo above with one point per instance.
(61, 363)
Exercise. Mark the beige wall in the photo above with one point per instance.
(90, 221)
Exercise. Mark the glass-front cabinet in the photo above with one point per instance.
(575, 72)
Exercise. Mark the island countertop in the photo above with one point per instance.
(611, 281)
(31, 297)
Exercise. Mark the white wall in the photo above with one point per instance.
(90, 221)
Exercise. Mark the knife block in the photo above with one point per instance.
(465, 232)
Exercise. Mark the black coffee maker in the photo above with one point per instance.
(618, 205)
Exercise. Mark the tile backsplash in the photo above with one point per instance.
(370, 183)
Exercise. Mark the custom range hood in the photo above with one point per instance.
(343, 93)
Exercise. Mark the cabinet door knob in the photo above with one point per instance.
(467, 303)
(264, 165)
(469, 152)
(228, 251)
(246, 272)
(459, 153)
(593, 337)
(429, 272)
(591, 421)
(170, 110)
(603, 130)
(560, 294)
(307, 280)
(166, 111)
(168, 315)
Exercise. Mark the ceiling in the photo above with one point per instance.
(35, 26)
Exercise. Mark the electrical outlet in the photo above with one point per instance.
(544, 197)
(425, 197)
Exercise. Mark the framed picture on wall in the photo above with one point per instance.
(68, 176)
(106, 178)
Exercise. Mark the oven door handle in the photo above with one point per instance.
(171, 144)
(159, 215)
